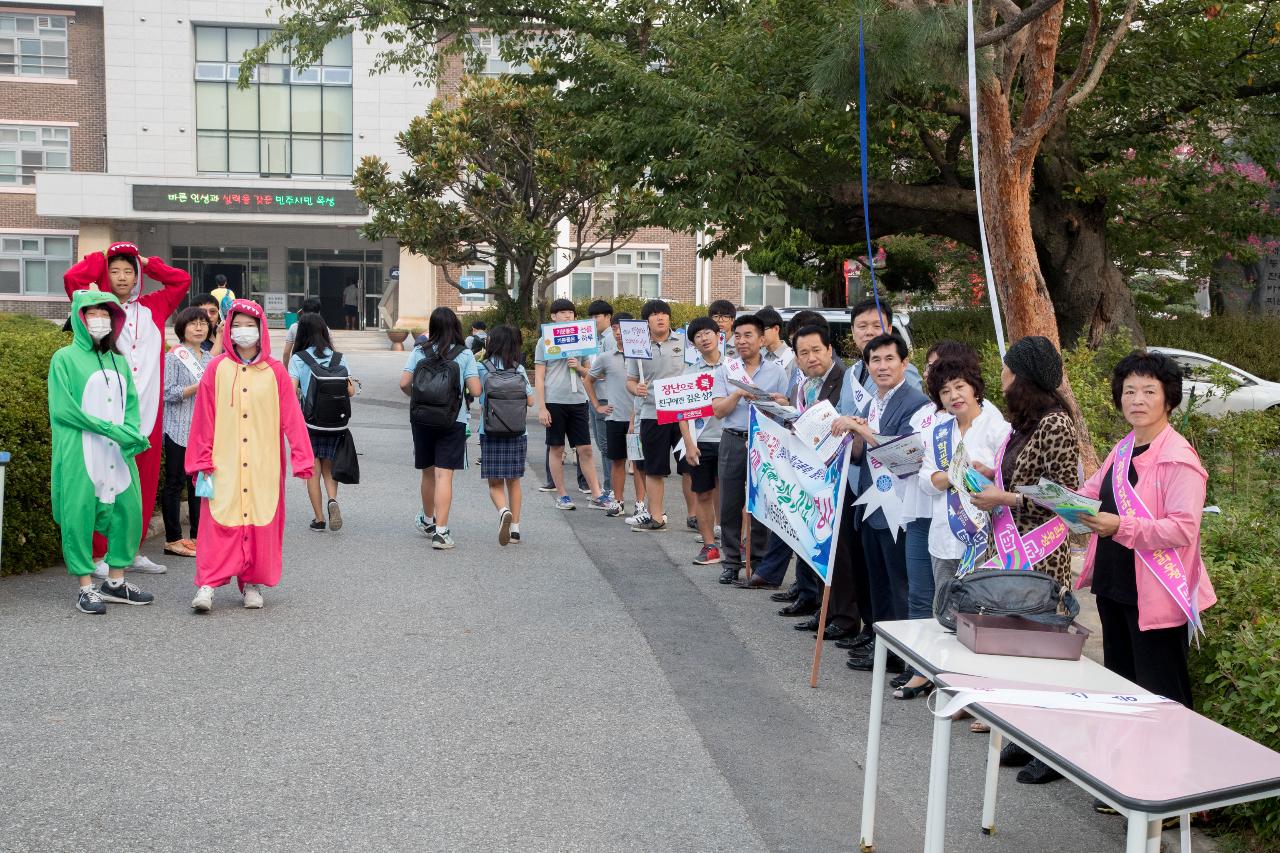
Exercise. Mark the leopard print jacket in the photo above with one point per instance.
(1052, 452)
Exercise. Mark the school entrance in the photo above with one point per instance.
(325, 274)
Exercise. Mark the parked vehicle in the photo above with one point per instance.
(1203, 376)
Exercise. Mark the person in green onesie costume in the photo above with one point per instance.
(93, 415)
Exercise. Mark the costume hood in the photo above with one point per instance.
(83, 299)
(254, 310)
(135, 255)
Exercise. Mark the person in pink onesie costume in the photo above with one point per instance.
(119, 270)
(245, 410)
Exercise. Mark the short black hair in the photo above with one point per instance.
(619, 317)
(599, 307)
(186, 317)
(558, 305)
(882, 341)
(721, 308)
(870, 304)
(770, 317)
(219, 279)
(823, 332)
(479, 324)
(204, 299)
(310, 305)
(749, 320)
(952, 350)
(1155, 365)
(947, 369)
(701, 324)
(804, 318)
(654, 306)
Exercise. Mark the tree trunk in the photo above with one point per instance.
(1091, 298)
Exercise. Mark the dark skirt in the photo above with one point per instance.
(324, 445)
(503, 458)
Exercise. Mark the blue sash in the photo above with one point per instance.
(973, 537)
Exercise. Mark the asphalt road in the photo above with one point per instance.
(589, 689)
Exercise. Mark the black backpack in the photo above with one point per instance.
(505, 404)
(436, 393)
(326, 405)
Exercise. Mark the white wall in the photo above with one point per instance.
(151, 89)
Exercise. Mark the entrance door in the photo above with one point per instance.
(329, 284)
(235, 274)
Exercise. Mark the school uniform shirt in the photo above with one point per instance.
(987, 432)
(611, 366)
(769, 377)
(667, 361)
(558, 383)
(487, 367)
(301, 371)
(713, 428)
(467, 368)
(784, 356)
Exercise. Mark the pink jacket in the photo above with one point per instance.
(1171, 484)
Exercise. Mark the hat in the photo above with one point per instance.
(1035, 359)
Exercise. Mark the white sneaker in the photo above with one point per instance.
(145, 566)
(100, 570)
(717, 533)
(203, 600)
(641, 516)
(252, 596)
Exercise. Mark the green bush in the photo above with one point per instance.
(1249, 343)
(31, 540)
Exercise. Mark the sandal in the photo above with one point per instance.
(178, 549)
(905, 692)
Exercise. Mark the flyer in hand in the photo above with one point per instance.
(813, 427)
(901, 454)
(1060, 500)
(957, 474)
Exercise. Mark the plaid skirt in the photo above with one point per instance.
(324, 445)
(503, 458)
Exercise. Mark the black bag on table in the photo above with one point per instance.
(1006, 592)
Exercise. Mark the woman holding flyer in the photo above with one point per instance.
(1143, 563)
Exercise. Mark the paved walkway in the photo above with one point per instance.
(587, 690)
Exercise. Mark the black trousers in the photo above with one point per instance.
(886, 573)
(1154, 660)
(175, 478)
(849, 597)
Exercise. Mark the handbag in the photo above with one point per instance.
(1002, 592)
(346, 465)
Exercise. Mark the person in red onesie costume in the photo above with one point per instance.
(119, 270)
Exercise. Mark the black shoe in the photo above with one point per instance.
(88, 601)
(810, 624)
(866, 662)
(756, 582)
(791, 593)
(905, 692)
(831, 632)
(1103, 808)
(1038, 773)
(691, 522)
(901, 679)
(547, 487)
(125, 593)
(318, 526)
(1013, 755)
(728, 576)
(515, 537)
(855, 643)
(799, 608)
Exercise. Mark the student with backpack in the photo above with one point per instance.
(505, 399)
(439, 373)
(325, 388)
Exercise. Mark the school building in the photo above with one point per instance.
(123, 121)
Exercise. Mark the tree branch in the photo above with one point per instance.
(1010, 27)
(1104, 56)
(1032, 130)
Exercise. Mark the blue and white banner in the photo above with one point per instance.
(793, 493)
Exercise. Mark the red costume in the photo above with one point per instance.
(142, 342)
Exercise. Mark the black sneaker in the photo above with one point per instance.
(653, 525)
(317, 526)
(547, 487)
(729, 575)
(125, 593)
(691, 522)
(515, 537)
(90, 602)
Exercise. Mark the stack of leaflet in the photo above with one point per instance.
(1068, 505)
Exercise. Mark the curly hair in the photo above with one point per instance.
(945, 370)
(1154, 365)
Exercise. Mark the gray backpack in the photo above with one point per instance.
(505, 403)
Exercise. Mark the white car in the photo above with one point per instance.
(1249, 394)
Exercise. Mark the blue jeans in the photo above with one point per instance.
(919, 570)
(777, 557)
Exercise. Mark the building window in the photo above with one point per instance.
(33, 264)
(33, 45)
(27, 149)
(627, 272)
(288, 123)
(490, 49)
(761, 290)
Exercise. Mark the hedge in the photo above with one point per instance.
(31, 540)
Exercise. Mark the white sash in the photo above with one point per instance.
(193, 365)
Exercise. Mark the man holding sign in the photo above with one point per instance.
(701, 437)
(562, 404)
(657, 438)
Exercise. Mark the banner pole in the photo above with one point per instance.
(746, 541)
(822, 629)
(977, 181)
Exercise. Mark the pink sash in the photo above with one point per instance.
(1014, 549)
(1163, 563)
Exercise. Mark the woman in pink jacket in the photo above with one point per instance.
(1144, 564)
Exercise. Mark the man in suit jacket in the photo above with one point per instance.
(821, 378)
(889, 412)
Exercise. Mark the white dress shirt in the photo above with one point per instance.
(982, 442)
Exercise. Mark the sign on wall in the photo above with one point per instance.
(232, 200)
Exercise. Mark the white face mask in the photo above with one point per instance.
(244, 336)
(98, 327)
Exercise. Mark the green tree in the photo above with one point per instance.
(493, 176)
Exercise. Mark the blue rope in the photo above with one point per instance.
(862, 144)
